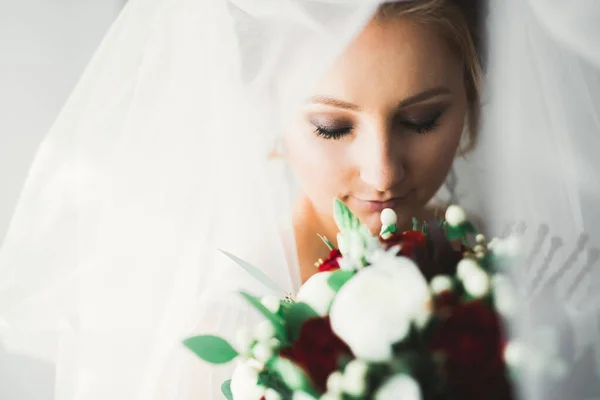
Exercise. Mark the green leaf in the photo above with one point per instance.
(329, 245)
(275, 319)
(467, 227)
(454, 232)
(415, 224)
(293, 376)
(391, 229)
(345, 220)
(255, 272)
(338, 278)
(296, 316)
(212, 349)
(226, 389)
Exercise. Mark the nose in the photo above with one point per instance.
(380, 164)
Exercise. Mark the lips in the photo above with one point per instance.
(378, 206)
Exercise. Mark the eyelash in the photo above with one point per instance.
(423, 127)
(417, 127)
(332, 134)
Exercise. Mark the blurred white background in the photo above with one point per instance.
(44, 47)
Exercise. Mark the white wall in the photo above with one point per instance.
(44, 47)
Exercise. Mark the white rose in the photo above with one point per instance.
(455, 216)
(244, 381)
(399, 387)
(317, 293)
(375, 308)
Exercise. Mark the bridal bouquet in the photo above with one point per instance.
(403, 315)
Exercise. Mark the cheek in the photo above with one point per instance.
(319, 165)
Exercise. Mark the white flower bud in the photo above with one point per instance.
(388, 217)
(385, 235)
(335, 382)
(512, 246)
(243, 340)
(244, 382)
(477, 283)
(274, 343)
(514, 354)
(264, 331)
(455, 215)
(441, 283)
(465, 267)
(298, 395)
(262, 352)
(400, 386)
(271, 303)
(479, 249)
(479, 238)
(271, 394)
(354, 380)
(317, 293)
(504, 296)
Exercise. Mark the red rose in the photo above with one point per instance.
(317, 350)
(471, 343)
(331, 263)
(409, 240)
(444, 303)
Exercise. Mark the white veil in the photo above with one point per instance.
(541, 144)
(161, 156)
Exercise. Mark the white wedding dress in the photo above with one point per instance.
(161, 157)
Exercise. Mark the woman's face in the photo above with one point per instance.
(383, 126)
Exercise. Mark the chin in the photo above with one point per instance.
(373, 222)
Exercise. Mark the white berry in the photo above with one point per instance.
(477, 283)
(441, 283)
(455, 216)
(465, 267)
(388, 217)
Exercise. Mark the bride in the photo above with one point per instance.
(232, 124)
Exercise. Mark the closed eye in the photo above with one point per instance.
(422, 126)
(332, 133)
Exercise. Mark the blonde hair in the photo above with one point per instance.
(459, 21)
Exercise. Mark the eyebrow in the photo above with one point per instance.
(417, 98)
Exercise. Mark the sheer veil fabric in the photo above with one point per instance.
(161, 157)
